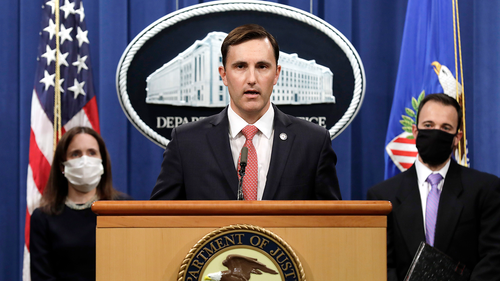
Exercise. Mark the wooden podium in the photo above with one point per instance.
(334, 240)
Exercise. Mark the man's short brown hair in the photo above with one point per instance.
(245, 33)
(443, 99)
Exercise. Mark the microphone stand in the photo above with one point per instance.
(243, 164)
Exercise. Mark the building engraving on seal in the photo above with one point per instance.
(192, 79)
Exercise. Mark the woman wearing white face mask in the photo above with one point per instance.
(62, 233)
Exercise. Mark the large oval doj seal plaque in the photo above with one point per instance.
(241, 253)
(168, 75)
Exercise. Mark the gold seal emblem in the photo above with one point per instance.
(241, 253)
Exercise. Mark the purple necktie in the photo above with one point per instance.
(432, 207)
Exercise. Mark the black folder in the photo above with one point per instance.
(430, 264)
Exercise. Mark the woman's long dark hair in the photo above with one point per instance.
(56, 190)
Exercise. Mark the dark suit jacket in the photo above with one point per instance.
(467, 227)
(198, 165)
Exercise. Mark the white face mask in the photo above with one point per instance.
(84, 172)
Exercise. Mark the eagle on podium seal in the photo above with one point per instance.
(241, 253)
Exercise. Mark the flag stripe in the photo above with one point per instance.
(406, 165)
(27, 230)
(91, 112)
(40, 167)
(404, 153)
(42, 128)
(404, 159)
(405, 140)
(80, 119)
(33, 195)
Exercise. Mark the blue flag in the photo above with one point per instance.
(427, 65)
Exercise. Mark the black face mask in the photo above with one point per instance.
(434, 146)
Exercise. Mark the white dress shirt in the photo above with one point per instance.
(424, 187)
(263, 142)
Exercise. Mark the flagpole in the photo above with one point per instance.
(459, 97)
(57, 90)
(462, 97)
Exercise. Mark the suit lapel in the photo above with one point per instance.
(450, 208)
(218, 140)
(408, 214)
(279, 154)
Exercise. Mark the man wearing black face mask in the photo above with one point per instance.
(453, 208)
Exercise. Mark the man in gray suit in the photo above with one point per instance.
(289, 158)
(467, 224)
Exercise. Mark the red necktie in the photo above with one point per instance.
(250, 181)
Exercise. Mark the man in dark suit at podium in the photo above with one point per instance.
(288, 158)
(453, 208)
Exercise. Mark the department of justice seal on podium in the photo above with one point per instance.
(241, 252)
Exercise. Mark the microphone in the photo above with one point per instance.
(243, 164)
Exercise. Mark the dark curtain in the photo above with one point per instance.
(374, 27)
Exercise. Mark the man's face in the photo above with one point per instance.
(435, 115)
(250, 74)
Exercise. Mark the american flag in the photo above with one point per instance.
(78, 106)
